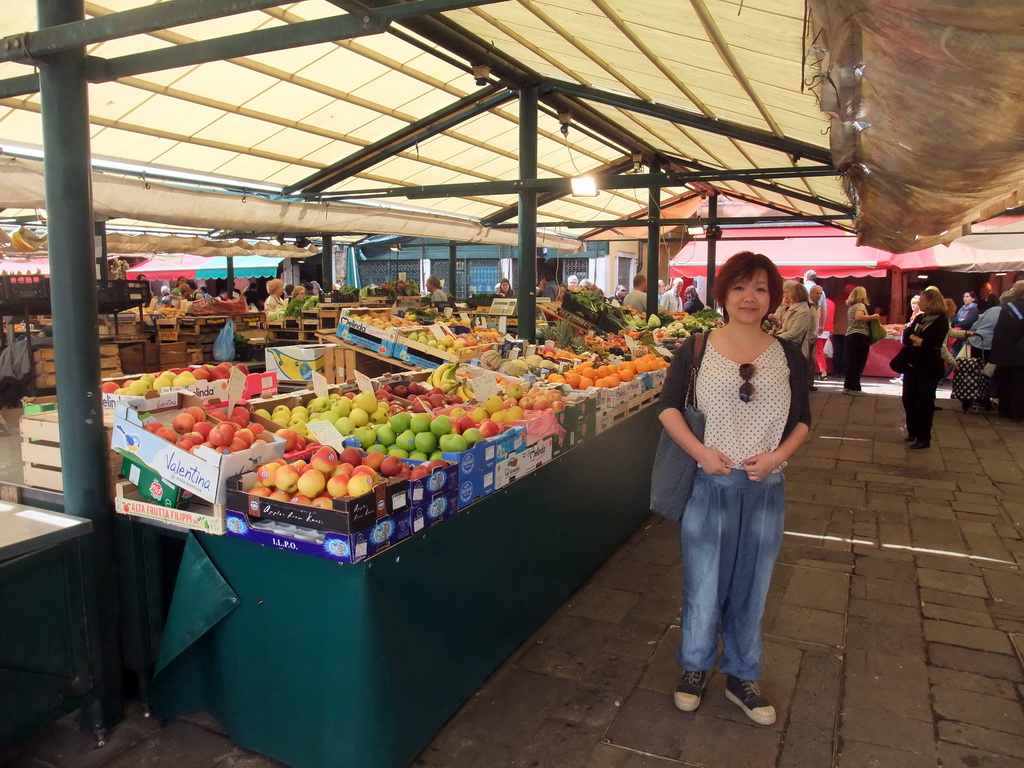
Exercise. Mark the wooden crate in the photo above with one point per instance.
(40, 450)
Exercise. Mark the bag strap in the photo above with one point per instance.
(698, 357)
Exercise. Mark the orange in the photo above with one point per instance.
(556, 378)
(572, 379)
(586, 382)
(613, 380)
(626, 374)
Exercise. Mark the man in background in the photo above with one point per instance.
(671, 300)
(548, 288)
(637, 298)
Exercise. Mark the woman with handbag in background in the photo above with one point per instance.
(924, 341)
(752, 391)
(858, 339)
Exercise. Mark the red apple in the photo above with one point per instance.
(286, 478)
(362, 469)
(489, 428)
(247, 435)
(290, 437)
(343, 469)
(167, 434)
(153, 426)
(360, 484)
(337, 486)
(312, 483)
(419, 472)
(302, 499)
(203, 428)
(373, 460)
(238, 445)
(437, 464)
(464, 423)
(183, 422)
(260, 492)
(324, 502)
(222, 435)
(325, 459)
(266, 472)
(391, 466)
(351, 456)
(243, 368)
(281, 496)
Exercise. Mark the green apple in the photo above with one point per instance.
(319, 404)
(262, 412)
(472, 435)
(406, 441)
(400, 422)
(419, 455)
(436, 455)
(365, 436)
(420, 422)
(426, 442)
(453, 443)
(359, 417)
(386, 435)
(378, 448)
(398, 452)
(440, 425)
(345, 426)
(342, 407)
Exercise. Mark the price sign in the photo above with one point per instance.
(436, 330)
(464, 316)
(662, 351)
(630, 345)
(513, 354)
(401, 276)
(326, 434)
(363, 382)
(236, 386)
(485, 385)
(502, 324)
(448, 312)
(444, 327)
(320, 385)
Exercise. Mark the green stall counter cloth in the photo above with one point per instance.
(202, 598)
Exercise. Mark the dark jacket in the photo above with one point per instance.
(1008, 337)
(677, 382)
(927, 358)
(693, 305)
(967, 316)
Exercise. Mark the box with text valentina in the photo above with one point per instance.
(208, 518)
(204, 472)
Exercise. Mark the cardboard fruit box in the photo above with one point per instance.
(205, 471)
(208, 518)
(348, 515)
(435, 497)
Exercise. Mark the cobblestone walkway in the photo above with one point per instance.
(894, 630)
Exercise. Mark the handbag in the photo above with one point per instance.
(674, 469)
(876, 331)
(900, 362)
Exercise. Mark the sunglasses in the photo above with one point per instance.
(746, 388)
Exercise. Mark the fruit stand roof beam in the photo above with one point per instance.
(693, 221)
(414, 133)
(549, 197)
(792, 147)
(331, 29)
(28, 46)
(562, 185)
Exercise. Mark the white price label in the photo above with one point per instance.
(502, 323)
(513, 354)
(236, 386)
(436, 330)
(320, 385)
(630, 345)
(444, 327)
(464, 316)
(448, 312)
(326, 434)
(662, 351)
(363, 382)
(484, 386)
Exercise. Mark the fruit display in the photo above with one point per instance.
(214, 429)
(444, 378)
(608, 375)
(175, 377)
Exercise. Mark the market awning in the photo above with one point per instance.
(244, 266)
(828, 256)
(169, 267)
(25, 266)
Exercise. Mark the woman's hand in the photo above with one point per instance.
(760, 466)
(714, 462)
(915, 340)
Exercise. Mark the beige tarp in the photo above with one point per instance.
(927, 102)
(21, 186)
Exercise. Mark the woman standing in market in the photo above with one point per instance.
(799, 323)
(925, 339)
(752, 390)
(965, 318)
(1008, 354)
(858, 340)
(820, 368)
(504, 290)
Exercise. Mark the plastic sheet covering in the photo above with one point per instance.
(21, 186)
(927, 102)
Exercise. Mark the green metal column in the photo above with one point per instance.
(231, 276)
(326, 262)
(713, 233)
(84, 446)
(527, 289)
(453, 263)
(653, 240)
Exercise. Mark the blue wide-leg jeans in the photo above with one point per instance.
(730, 534)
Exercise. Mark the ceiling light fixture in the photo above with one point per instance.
(482, 73)
(922, 277)
(564, 118)
(583, 186)
(695, 231)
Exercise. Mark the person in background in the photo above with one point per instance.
(1007, 354)
(165, 297)
(620, 293)
(275, 296)
(814, 296)
(926, 337)
(752, 390)
(799, 323)
(437, 294)
(915, 310)
(573, 283)
(299, 291)
(810, 283)
(315, 288)
(839, 328)
(691, 301)
(182, 280)
(637, 298)
(858, 339)
(989, 299)
(548, 288)
(201, 290)
(970, 384)
(670, 300)
(288, 289)
(661, 287)
(504, 289)
(966, 317)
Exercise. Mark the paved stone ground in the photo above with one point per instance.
(894, 630)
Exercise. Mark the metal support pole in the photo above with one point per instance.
(653, 240)
(231, 277)
(453, 281)
(527, 289)
(326, 262)
(714, 234)
(103, 267)
(83, 442)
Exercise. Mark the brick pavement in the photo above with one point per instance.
(894, 630)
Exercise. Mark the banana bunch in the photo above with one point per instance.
(443, 377)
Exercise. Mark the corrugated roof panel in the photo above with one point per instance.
(377, 128)
(222, 81)
(344, 69)
(288, 99)
(344, 117)
(247, 167)
(288, 141)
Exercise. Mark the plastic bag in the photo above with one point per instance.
(224, 346)
(828, 349)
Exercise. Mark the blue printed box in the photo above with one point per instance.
(476, 466)
(407, 355)
(341, 547)
(434, 497)
(379, 344)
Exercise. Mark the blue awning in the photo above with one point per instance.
(245, 266)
